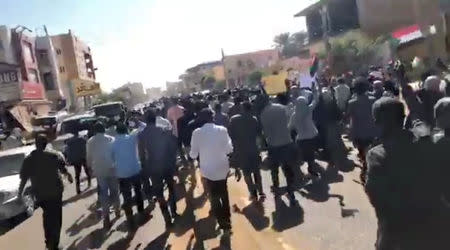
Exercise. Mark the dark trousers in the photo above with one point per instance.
(285, 156)
(157, 189)
(126, 185)
(253, 180)
(52, 220)
(87, 171)
(220, 203)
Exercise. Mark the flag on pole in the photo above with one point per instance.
(314, 66)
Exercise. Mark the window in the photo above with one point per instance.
(48, 81)
(28, 52)
(33, 75)
(62, 69)
(58, 51)
(1, 45)
(42, 54)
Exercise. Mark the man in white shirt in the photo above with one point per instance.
(213, 144)
(342, 93)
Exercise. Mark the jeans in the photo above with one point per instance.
(77, 166)
(126, 185)
(220, 203)
(52, 220)
(109, 194)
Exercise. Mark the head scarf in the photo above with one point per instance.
(301, 110)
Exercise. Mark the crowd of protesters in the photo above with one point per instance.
(402, 153)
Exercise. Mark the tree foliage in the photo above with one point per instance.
(354, 53)
(254, 78)
(291, 44)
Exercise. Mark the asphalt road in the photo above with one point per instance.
(332, 213)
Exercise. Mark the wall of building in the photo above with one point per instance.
(239, 67)
(49, 71)
(73, 66)
(7, 50)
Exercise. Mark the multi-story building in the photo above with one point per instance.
(131, 93)
(380, 17)
(197, 78)
(239, 67)
(48, 68)
(76, 70)
(153, 93)
(22, 94)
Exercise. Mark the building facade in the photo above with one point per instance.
(76, 70)
(202, 76)
(377, 18)
(48, 68)
(237, 68)
(131, 94)
(22, 93)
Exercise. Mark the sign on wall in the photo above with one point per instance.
(32, 90)
(9, 86)
(85, 88)
(9, 76)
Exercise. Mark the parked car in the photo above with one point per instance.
(111, 110)
(46, 125)
(76, 123)
(10, 165)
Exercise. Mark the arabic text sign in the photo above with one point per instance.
(85, 88)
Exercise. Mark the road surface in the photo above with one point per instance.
(331, 213)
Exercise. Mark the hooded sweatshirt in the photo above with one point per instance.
(302, 119)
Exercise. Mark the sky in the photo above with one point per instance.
(154, 41)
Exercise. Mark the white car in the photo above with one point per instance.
(10, 164)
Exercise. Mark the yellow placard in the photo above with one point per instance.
(85, 88)
(275, 84)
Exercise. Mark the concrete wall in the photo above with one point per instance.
(7, 49)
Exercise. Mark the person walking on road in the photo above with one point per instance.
(307, 134)
(281, 149)
(43, 169)
(128, 168)
(244, 130)
(362, 126)
(402, 185)
(99, 158)
(76, 155)
(158, 153)
(213, 145)
(220, 118)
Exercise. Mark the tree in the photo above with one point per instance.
(291, 44)
(355, 52)
(220, 85)
(254, 78)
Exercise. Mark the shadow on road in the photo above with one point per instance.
(159, 243)
(319, 189)
(284, 216)
(94, 240)
(83, 222)
(10, 224)
(81, 196)
(255, 214)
